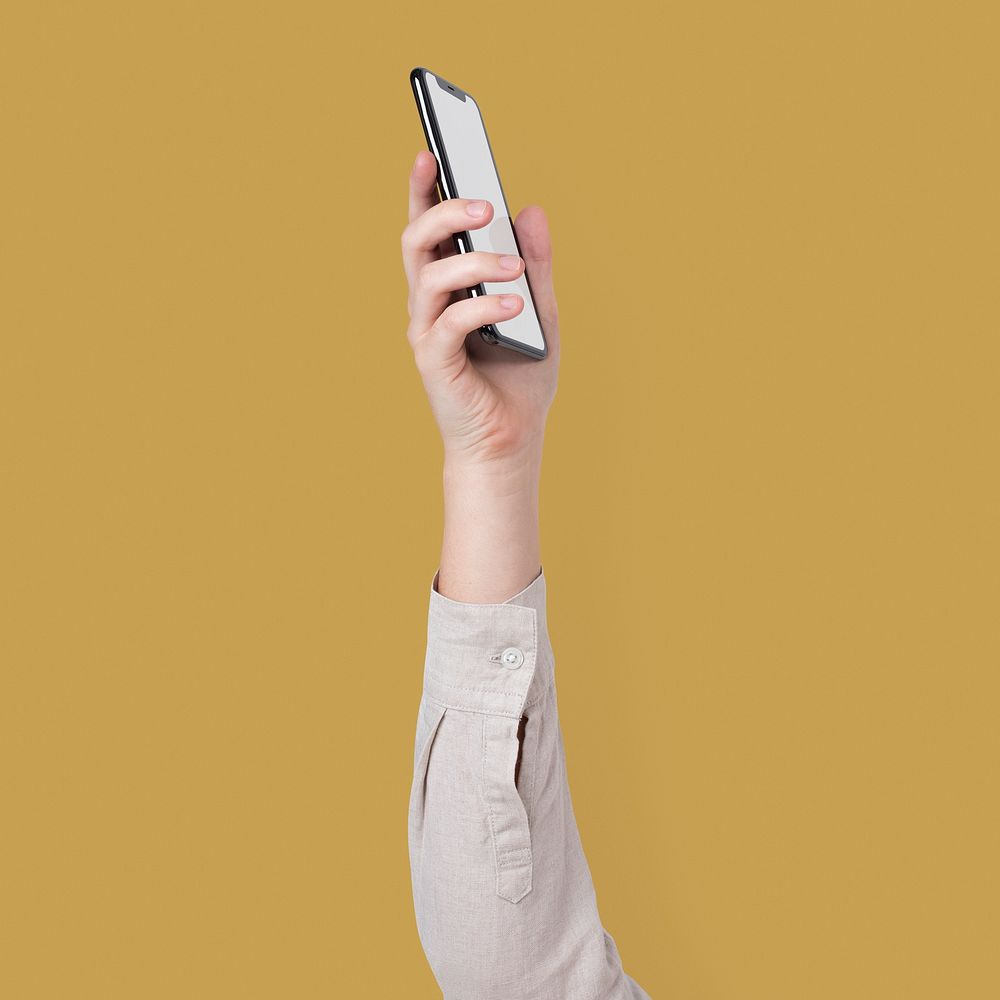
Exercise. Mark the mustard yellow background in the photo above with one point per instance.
(769, 506)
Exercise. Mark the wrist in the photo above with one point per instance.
(491, 548)
(502, 476)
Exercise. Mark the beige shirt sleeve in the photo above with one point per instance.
(503, 896)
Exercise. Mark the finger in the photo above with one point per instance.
(439, 347)
(532, 229)
(437, 279)
(423, 178)
(423, 235)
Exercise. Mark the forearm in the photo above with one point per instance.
(491, 547)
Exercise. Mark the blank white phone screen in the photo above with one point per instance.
(475, 176)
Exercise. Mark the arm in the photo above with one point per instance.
(504, 900)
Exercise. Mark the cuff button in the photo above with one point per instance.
(512, 657)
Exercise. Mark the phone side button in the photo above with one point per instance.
(488, 335)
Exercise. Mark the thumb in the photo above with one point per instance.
(532, 228)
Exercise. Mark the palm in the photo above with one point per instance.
(507, 394)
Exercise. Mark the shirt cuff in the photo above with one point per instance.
(491, 658)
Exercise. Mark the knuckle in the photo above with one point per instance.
(426, 277)
(415, 335)
(455, 318)
(445, 323)
(419, 335)
(419, 345)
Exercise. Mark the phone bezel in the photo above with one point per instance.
(448, 189)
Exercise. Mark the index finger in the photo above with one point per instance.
(423, 194)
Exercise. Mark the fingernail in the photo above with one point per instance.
(476, 208)
(510, 263)
(509, 301)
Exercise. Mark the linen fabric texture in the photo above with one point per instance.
(503, 896)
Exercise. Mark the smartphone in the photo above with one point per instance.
(457, 137)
